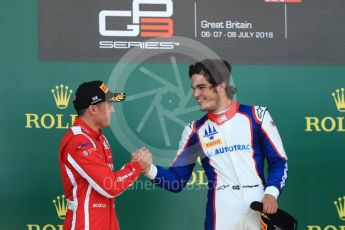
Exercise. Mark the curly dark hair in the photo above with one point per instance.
(216, 71)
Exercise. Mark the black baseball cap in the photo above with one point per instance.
(281, 220)
(94, 92)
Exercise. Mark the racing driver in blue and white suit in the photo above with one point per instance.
(233, 141)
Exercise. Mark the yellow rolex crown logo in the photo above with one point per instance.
(339, 99)
(60, 206)
(62, 95)
(340, 204)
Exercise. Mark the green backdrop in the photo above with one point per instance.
(29, 172)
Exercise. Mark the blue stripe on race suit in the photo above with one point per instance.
(212, 184)
(176, 177)
(277, 166)
(259, 155)
(173, 179)
(259, 158)
(189, 153)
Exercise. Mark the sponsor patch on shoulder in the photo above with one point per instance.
(86, 148)
(84, 145)
(88, 152)
(260, 111)
(273, 124)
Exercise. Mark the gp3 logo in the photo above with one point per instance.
(146, 23)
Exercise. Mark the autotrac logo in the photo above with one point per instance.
(328, 123)
(61, 210)
(61, 95)
(340, 210)
(145, 24)
(228, 149)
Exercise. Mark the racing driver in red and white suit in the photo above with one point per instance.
(86, 163)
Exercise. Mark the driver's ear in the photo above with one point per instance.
(92, 109)
(221, 86)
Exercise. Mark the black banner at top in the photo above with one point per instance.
(244, 32)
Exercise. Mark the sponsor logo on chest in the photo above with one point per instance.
(99, 205)
(228, 149)
(209, 137)
(232, 149)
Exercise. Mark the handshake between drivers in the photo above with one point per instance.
(144, 157)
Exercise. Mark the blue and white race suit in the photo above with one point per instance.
(232, 146)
